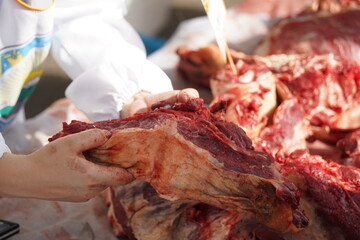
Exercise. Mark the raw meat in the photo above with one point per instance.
(140, 213)
(186, 153)
(333, 187)
(248, 96)
(327, 87)
(319, 33)
(139, 209)
(288, 131)
(350, 145)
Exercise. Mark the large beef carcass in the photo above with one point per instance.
(330, 26)
(186, 153)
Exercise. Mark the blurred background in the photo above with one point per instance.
(155, 20)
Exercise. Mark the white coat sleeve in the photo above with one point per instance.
(103, 56)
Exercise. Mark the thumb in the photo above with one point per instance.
(87, 139)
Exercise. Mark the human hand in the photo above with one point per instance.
(199, 65)
(59, 171)
(142, 101)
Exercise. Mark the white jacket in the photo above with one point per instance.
(91, 41)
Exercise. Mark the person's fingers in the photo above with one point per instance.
(169, 97)
(187, 94)
(86, 140)
(172, 97)
(144, 104)
(109, 175)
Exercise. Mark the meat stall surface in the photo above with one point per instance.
(186, 153)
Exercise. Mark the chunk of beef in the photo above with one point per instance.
(191, 155)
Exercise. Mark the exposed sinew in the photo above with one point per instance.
(186, 153)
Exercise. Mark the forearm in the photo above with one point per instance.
(58, 171)
(16, 176)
